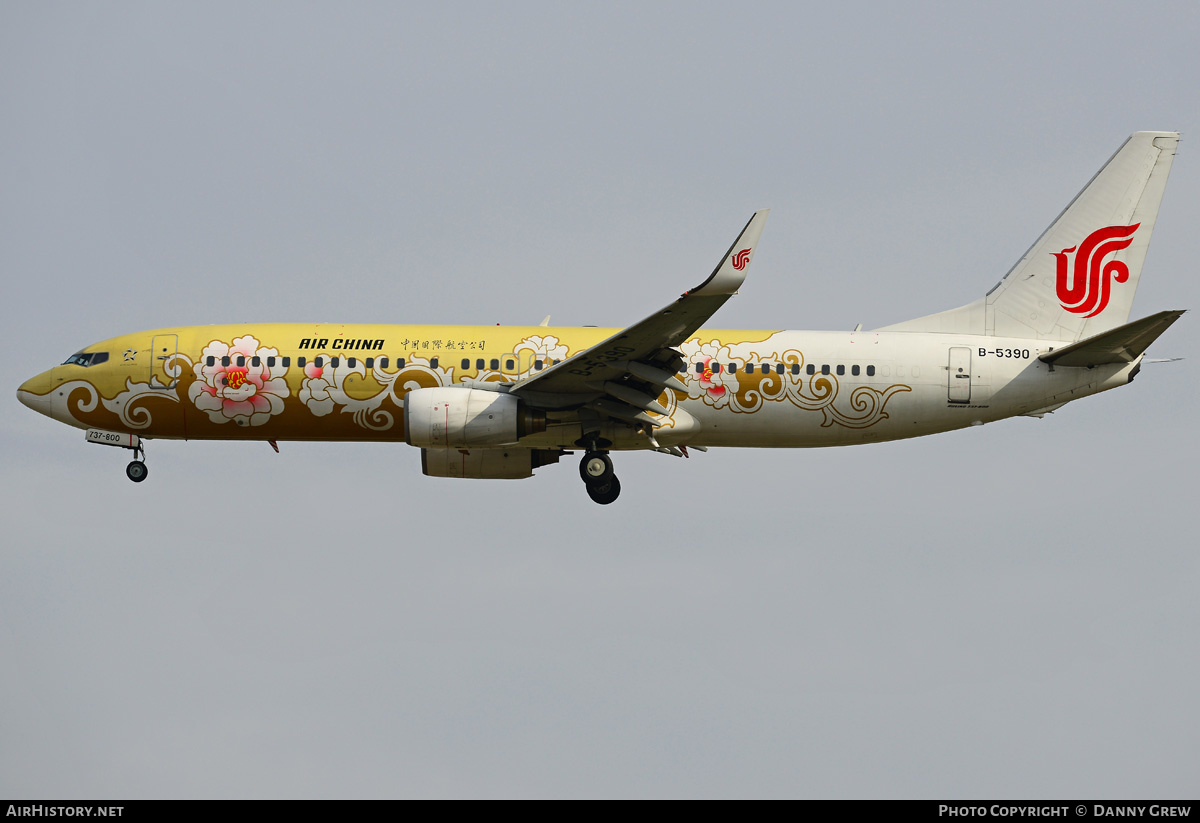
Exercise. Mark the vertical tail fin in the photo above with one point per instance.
(1078, 279)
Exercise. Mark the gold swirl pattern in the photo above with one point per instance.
(329, 388)
(746, 393)
(130, 405)
(362, 393)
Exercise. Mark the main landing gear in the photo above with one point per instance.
(602, 485)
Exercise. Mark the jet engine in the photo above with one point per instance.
(494, 464)
(448, 417)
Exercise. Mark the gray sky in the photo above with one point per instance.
(1004, 612)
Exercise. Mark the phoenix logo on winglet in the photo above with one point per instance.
(1087, 292)
(741, 259)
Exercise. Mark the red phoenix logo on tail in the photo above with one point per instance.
(1087, 291)
(741, 259)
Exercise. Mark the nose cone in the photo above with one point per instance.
(35, 393)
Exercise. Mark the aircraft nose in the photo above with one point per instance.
(35, 392)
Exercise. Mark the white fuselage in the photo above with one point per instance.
(908, 394)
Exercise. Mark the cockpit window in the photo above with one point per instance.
(85, 359)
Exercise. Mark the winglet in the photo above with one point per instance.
(729, 274)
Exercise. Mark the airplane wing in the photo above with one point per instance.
(622, 376)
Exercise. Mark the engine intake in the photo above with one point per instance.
(448, 417)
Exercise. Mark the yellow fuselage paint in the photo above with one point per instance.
(292, 381)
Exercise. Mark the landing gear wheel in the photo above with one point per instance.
(136, 471)
(605, 493)
(596, 467)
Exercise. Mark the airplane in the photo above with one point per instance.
(500, 402)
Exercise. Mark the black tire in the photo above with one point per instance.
(605, 493)
(136, 471)
(596, 468)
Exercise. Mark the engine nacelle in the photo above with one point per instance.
(448, 417)
(488, 464)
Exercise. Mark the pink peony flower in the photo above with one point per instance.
(247, 394)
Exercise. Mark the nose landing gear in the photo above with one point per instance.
(602, 485)
(136, 471)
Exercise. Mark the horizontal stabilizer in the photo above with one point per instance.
(1123, 344)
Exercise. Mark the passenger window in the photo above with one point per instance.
(479, 365)
(399, 362)
(351, 362)
(732, 368)
(335, 361)
(241, 361)
(854, 371)
(255, 361)
(270, 362)
(433, 363)
(699, 368)
(211, 361)
(811, 369)
(287, 361)
(509, 365)
(749, 368)
(716, 368)
(841, 370)
(382, 362)
(825, 369)
(495, 364)
(225, 361)
(369, 362)
(870, 371)
(466, 363)
(319, 362)
(537, 365)
(779, 369)
(301, 362)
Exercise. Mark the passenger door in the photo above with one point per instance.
(163, 349)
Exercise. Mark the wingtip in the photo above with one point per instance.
(731, 271)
